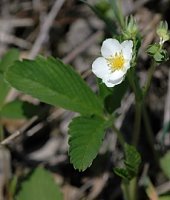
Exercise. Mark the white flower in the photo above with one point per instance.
(115, 61)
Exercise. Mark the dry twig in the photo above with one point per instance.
(19, 132)
(45, 28)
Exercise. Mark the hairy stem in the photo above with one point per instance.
(138, 106)
(137, 124)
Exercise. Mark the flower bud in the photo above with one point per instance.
(163, 32)
(131, 28)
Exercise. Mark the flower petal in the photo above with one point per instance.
(110, 47)
(114, 78)
(117, 81)
(117, 74)
(106, 81)
(100, 67)
(108, 84)
(126, 66)
(127, 46)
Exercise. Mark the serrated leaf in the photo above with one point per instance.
(132, 161)
(165, 163)
(86, 135)
(40, 185)
(123, 173)
(133, 158)
(19, 110)
(54, 83)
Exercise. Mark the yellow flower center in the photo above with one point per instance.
(116, 62)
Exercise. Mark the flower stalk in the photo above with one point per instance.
(149, 78)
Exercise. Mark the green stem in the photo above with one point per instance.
(149, 78)
(126, 192)
(138, 106)
(119, 135)
(134, 83)
(130, 189)
(137, 124)
(149, 134)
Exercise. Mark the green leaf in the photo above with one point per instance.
(86, 135)
(158, 53)
(19, 110)
(40, 185)
(152, 49)
(133, 158)
(122, 172)
(161, 56)
(8, 59)
(132, 162)
(54, 83)
(113, 101)
(4, 89)
(165, 163)
(166, 197)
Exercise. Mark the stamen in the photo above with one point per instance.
(116, 62)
